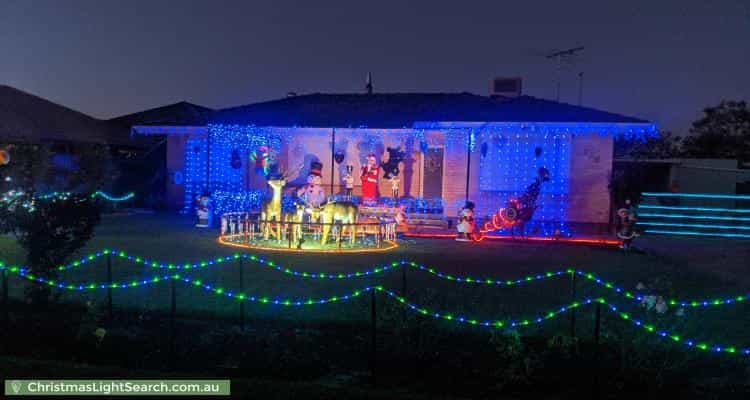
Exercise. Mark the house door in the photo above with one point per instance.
(432, 185)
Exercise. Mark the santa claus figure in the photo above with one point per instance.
(465, 226)
(312, 194)
(369, 177)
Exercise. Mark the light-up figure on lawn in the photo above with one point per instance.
(369, 177)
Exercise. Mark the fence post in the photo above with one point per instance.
(403, 289)
(597, 330)
(109, 285)
(373, 339)
(572, 299)
(5, 297)
(172, 327)
(242, 302)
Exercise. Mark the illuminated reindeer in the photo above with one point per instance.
(294, 220)
(271, 208)
(344, 212)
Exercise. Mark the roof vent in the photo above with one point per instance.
(505, 87)
(291, 94)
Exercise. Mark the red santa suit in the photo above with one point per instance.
(370, 181)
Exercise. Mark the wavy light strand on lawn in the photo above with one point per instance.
(722, 300)
(497, 324)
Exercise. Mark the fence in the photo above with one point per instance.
(176, 274)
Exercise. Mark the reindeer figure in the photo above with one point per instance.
(294, 220)
(271, 209)
(344, 212)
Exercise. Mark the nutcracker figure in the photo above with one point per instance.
(369, 178)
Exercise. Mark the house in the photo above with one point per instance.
(457, 146)
(66, 135)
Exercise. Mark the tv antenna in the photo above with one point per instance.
(560, 56)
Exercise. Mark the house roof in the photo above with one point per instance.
(29, 118)
(402, 110)
(182, 113)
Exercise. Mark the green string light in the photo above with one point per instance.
(724, 300)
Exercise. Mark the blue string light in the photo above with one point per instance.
(714, 209)
(693, 233)
(698, 195)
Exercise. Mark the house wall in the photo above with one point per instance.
(309, 144)
(175, 192)
(587, 196)
(590, 172)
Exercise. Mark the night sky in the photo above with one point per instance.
(659, 60)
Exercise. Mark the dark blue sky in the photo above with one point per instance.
(660, 60)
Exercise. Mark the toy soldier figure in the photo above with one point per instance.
(369, 178)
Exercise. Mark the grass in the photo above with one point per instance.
(679, 267)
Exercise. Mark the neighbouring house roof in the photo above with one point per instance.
(28, 118)
(182, 113)
(403, 110)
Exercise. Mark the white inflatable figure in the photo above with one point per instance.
(349, 182)
(203, 211)
(465, 226)
(394, 187)
(313, 193)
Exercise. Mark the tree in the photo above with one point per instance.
(723, 132)
(50, 230)
(664, 145)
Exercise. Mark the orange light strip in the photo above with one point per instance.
(224, 240)
(607, 242)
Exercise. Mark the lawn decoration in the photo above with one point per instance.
(395, 157)
(519, 211)
(271, 208)
(369, 177)
(203, 210)
(627, 231)
(465, 226)
(313, 194)
(344, 212)
(349, 182)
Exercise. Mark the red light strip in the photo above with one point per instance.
(606, 242)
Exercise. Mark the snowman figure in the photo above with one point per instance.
(465, 226)
(203, 210)
(312, 193)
